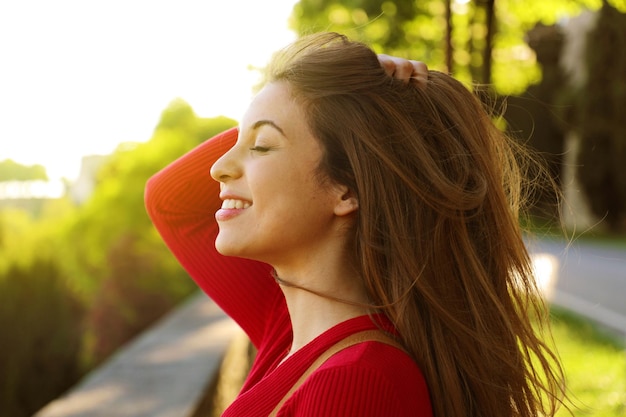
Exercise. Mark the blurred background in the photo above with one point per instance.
(96, 96)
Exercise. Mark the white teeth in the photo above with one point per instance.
(235, 204)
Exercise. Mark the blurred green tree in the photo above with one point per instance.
(78, 281)
(599, 118)
(478, 41)
(126, 274)
(40, 337)
(534, 116)
(403, 28)
(12, 171)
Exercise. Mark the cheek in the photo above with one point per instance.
(279, 177)
(286, 181)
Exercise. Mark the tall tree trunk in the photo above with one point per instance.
(448, 47)
(490, 23)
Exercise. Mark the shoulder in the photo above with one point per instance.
(367, 379)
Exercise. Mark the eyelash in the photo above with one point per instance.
(260, 149)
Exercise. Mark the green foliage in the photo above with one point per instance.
(416, 29)
(116, 207)
(404, 28)
(40, 337)
(12, 171)
(78, 281)
(136, 291)
(127, 274)
(532, 117)
(24, 239)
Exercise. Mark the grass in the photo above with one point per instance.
(594, 359)
(595, 365)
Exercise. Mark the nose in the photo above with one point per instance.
(226, 167)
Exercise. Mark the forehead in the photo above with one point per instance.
(276, 103)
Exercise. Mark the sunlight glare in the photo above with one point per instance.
(78, 78)
(545, 269)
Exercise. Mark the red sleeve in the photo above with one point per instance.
(182, 200)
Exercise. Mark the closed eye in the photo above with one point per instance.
(260, 149)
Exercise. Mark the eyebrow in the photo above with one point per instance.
(260, 123)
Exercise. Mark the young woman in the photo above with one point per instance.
(363, 231)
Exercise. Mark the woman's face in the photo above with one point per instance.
(275, 207)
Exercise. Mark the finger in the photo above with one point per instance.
(420, 73)
(409, 71)
(387, 63)
(404, 69)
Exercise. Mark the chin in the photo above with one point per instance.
(227, 247)
(224, 248)
(237, 250)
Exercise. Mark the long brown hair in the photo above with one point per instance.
(437, 238)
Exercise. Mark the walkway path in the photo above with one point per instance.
(588, 279)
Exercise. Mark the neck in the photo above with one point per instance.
(312, 314)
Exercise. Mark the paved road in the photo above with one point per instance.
(589, 279)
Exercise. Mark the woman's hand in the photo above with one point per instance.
(404, 69)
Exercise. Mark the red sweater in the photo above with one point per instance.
(370, 379)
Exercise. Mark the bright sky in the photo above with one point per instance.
(78, 77)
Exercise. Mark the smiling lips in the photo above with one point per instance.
(230, 204)
(231, 208)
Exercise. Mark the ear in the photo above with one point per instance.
(347, 202)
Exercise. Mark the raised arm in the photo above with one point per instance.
(182, 200)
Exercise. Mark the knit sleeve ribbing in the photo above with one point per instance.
(346, 392)
(182, 200)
